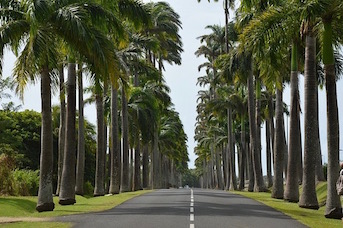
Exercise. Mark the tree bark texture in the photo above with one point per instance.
(308, 198)
(294, 150)
(45, 199)
(67, 192)
(61, 131)
(99, 189)
(259, 183)
(115, 143)
(125, 135)
(277, 191)
(333, 204)
(80, 167)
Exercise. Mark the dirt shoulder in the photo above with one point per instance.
(22, 219)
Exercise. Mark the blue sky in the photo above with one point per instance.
(182, 79)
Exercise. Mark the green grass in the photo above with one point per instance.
(311, 218)
(25, 207)
(36, 225)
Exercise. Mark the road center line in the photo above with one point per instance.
(191, 217)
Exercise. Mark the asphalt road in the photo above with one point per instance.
(176, 208)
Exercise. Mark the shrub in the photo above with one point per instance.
(88, 189)
(7, 164)
(26, 182)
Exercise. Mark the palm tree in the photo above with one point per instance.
(67, 191)
(165, 27)
(55, 21)
(292, 187)
(80, 167)
(308, 198)
(99, 188)
(115, 144)
(61, 131)
(124, 186)
(332, 13)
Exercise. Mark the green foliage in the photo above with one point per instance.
(26, 182)
(7, 164)
(14, 181)
(190, 178)
(88, 189)
(20, 139)
(20, 131)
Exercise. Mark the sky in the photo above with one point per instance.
(182, 79)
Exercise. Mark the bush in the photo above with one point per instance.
(88, 189)
(7, 164)
(26, 182)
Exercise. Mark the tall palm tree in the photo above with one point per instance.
(332, 13)
(61, 131)
(80, 165)
(67, 191)
(124, 186)
(52, 20)
(292, 186)
(115, 144)
(308, 198)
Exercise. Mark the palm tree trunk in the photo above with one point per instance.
(125, 134)
(67, 193)
(308, 198)
(271, 125)
(268, 155)
(251, 170)
(319, 166)
(131, 169)
(156, 162)
(225, 167)
(259, 183)
(99, 189)
(61, 131)
(45, 200)
(294, 150)
(80, 166)
(145, 166)
(300, 162)
(279, 149)
(116, 155)
(219, 170)
(258, 124)
(333, 204)
(243, 155)
(106, 186)
(137, 173)
(231, 154)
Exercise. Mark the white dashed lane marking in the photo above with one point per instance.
(191, 216)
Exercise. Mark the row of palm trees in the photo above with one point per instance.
(249, 62)
(122, 46)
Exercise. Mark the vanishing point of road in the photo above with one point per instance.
(186, 208)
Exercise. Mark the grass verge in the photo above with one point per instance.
(25, 207)
(311, 218)
(36, 225)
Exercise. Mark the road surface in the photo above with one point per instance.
(186, 208)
